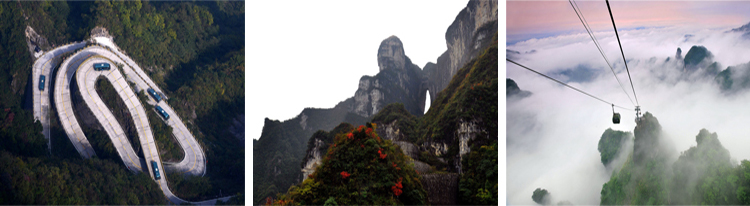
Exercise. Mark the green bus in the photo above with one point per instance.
(156, 170)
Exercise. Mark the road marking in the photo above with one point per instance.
(102, 113)
(62, 99)
(195, 158)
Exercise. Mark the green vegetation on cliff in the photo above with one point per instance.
(540, 196)
(327, 138)
(470, 95)
(610, 144)
(279, 152)
(406, 123)
(360, 168)
(478, 184)
(704, 174)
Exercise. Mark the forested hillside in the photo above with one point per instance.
(194, 51)
(703, 174)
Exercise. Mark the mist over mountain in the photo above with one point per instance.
(553, 135)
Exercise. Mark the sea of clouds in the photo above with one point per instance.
(552, 135)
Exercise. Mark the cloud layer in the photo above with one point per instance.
(552, 135)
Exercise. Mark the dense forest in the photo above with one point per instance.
(703, 174)
(193, 50)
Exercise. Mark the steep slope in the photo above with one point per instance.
(398, 81)
(512, 89)
(466, 38)
(360, 168)
(465, 111)
(281, 148)
(611, 144)
(704, 174)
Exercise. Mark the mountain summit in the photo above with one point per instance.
(391, 54)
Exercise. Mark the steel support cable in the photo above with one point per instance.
(623, 54)
(609, 103)
(590, 31)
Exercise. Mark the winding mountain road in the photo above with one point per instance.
(80, 66)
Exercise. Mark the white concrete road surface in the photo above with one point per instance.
(86, 77)
(65, 109)
(81, 65)
(44, 65)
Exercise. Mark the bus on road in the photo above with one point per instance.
(153, 94)
(162, 112)
(156, 170)
(41, 83)
(101, 66)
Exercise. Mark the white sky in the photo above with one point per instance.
(313, 53)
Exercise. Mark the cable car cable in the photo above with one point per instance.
(511, 61)
(623, 54)
(598, 46)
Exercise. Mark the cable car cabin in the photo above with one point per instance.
(101, 66)
(41, 83)
(616, 118)
(156, 170)
(162, 112)
(153, 94)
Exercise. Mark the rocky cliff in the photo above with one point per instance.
(442, 189)
(399, 80)
(469, 34)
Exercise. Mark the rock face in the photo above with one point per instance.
(399, 80)
(312, 159)
(442, 189)
(696, 58)
(318, 145)
(467, 131)
(512, 89)
(470, 33)
(391, 54)
(390, 131)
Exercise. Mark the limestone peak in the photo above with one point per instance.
(391, 54)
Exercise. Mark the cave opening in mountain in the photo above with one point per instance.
(427, 102)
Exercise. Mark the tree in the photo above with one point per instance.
(541, 196)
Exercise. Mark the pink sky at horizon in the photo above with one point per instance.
(527, 19)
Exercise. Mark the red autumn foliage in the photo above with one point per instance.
(349, 136)
(397, 188)
(380, 152)
(368, 131)
(344, 175)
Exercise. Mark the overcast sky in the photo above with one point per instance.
(552, 135)
(313, 53)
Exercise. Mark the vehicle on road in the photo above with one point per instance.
(41, 83)
(156, 170)
(153, 94)
(101, 66)
(162, 112)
